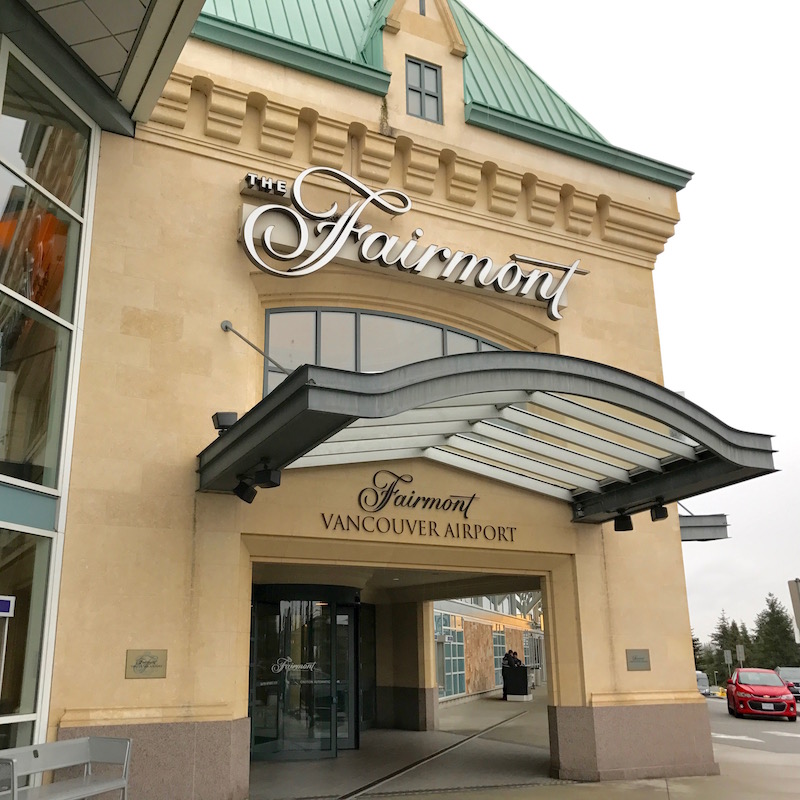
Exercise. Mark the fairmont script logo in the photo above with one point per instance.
(320, 236)
(387, 485)
(285, 664)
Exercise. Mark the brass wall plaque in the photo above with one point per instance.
(146, 664)
(638, 660)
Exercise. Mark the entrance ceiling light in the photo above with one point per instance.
(245, 490)
(623, 522)
(658, 512)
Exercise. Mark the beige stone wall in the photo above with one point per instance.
(148, 563)
(478, 656)
(514, 642)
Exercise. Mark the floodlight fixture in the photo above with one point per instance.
(658, 512)
(245, 490)
(623, 522)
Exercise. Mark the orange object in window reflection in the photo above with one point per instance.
(44, 240)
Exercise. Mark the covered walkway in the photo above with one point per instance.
(480, 744)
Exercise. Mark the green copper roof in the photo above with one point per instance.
(497, 78)
(342, 40)
(337, 27)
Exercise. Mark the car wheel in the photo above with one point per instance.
(792, 719)
(730, 709)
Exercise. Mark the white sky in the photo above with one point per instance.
(710, 87)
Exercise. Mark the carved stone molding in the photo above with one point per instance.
(580, 209)
(328, 142)
(375, 156)
(634, 227)
(504, 189)
(420, 165)
(457, 46)
(542, 198)
(463, 176)
(173, 105)
(279, 124)
(225, 110)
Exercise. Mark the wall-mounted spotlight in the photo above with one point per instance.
(623, 522)
(267, 478)
(223, 420)
(658, 512)
(245, 490)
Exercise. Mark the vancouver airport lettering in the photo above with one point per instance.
(385, 490)
(337, 229)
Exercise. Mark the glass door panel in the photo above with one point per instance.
(345, 678)
(292, 679)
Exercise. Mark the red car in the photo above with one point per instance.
(760, 692)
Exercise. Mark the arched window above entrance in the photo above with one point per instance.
(357, 340)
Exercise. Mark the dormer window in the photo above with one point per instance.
(424, 89)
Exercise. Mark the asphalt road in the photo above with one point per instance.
(754, 733)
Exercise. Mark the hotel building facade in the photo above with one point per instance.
(336, 315)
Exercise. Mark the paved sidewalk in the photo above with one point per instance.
(488, 749)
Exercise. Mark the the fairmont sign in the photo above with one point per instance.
(384, 499)
(276, 233)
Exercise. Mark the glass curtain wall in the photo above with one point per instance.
(45, 150)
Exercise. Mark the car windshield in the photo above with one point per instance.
(790, 673)
(760, 679)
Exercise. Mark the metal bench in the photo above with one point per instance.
(20, 763)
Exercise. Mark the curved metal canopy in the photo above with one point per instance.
(599, 438)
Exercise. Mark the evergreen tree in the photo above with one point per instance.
(721, 640)
(773, 642)
(698, 652)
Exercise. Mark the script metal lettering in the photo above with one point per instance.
(385, 488)
(320, 236)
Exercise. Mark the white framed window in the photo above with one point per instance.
(48, 165)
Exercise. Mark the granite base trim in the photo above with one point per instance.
(183, 760)
(407, 708)
(630, 742)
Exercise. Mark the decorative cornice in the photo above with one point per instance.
(597, 152)
(281, 51)
(173, 105)
(565, 209)
(375, 156)
(579, 208)
(328, 142)
(279, 124)
(504, 188)
(225, 112)
(463, 177)
(634, 227)
(420, 165)
(543, 198)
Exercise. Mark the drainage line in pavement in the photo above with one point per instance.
(386, 778)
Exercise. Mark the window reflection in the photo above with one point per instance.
(33, 375)
(292, 339)
(24, 561)
(459, 343)
(40, 137)
(38, 246)
(338, 340)
(388, 342)
(357, 340)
